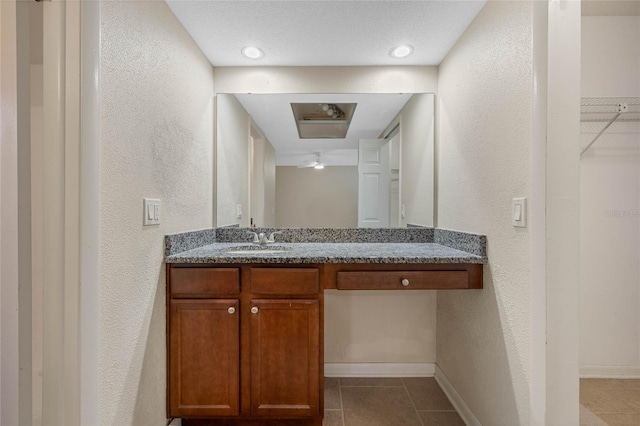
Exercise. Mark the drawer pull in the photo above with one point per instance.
(254, 310)
(231, 310)
(405, 282)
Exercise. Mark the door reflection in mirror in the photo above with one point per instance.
(263, 165)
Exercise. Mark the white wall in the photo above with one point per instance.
(417, 167)
(263, 188)
(484, 111)
(610, 181)
(310, 198)
(156, 141)
(232, 161)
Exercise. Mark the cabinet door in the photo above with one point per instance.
(285, 358)
(204, 343)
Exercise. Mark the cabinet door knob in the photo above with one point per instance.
(231, 310)
(254, 310)
(405, 282)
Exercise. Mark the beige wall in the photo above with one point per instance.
(382, 79)
(232, 161)
(484, 139)
(263, 189)
(417, 170)
(610, 181)
(394, 327)
(9, 306)
(310, 198)
(156, 141)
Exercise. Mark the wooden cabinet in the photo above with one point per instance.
(204, 362)
(285, 353)
(435, 276)
(244, 344)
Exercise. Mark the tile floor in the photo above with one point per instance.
(387, 402)
(612, 402)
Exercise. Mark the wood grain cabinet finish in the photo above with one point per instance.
(245, 342)
(285, 352)
(204, 282)
(251, 360)
(204, 362)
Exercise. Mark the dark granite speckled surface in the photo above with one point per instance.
(177, 243)
(470, 243)
(330, 253)
(331, 235)
(329, 245)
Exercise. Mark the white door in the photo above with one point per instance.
(373, 183)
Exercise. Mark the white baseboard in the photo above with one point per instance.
(609, 372)
(456, 400)
(380, 369)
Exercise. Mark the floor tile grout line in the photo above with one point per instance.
(341, 402)
(413, 404)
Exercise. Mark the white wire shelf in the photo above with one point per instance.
(619, 115)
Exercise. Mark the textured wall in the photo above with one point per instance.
(382, 79)
(233, 159)
(156, 141)
(610, 181)
(484, 137)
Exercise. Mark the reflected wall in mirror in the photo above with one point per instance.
(381, 174)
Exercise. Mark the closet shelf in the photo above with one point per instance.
(608, 110)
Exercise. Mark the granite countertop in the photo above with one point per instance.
(329, 253)
(421, 245)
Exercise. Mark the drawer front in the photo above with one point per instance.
(204, 282)
(402, 280)
(285, 281)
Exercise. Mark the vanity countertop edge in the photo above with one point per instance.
(413, 245)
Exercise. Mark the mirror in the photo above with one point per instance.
(284, 160)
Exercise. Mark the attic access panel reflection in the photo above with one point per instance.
(323, 121)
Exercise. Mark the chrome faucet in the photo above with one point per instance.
(262, 239)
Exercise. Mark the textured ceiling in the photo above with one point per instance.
(274, 117)
(325, 33)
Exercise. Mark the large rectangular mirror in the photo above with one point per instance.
(325, 160)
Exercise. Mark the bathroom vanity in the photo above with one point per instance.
(245, 325)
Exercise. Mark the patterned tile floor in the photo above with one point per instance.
(387, 402)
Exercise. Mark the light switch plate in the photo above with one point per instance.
(519, 212)
(239, 211)
(151, 211)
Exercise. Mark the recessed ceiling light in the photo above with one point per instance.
(401, 51)
(252, 52)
